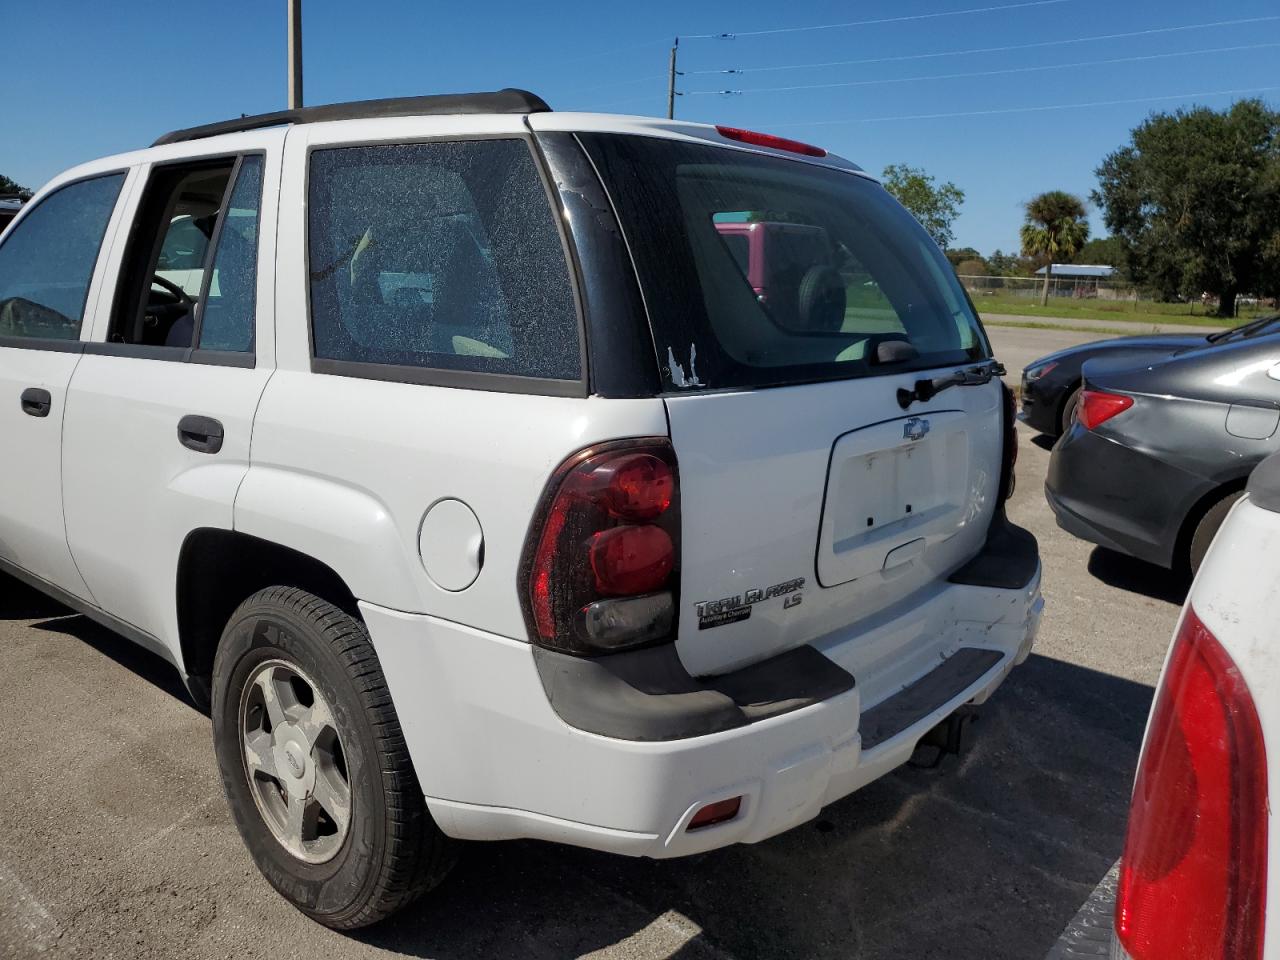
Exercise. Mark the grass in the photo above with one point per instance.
(1129, 311)
(1032, 325)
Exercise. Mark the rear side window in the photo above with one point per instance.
(443, 256)
(47, 260)
(762, 271)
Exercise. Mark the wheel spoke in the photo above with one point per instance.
(315, 720)
(271, 697)
(258, 754)
(300, 822)
(333, 795)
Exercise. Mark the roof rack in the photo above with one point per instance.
(508, 100)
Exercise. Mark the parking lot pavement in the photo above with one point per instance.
(115, 842)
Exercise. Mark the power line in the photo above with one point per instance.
(1002, 49)
(987, 73)
(1007, 110)
(868, 23)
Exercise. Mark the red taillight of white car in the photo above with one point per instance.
(600, 565)
(1193, 877)
(1097, 407)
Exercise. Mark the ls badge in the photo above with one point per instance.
(915, 428)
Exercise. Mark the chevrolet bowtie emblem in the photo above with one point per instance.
(915, 428)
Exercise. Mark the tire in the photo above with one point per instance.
(1207, 529)
(1069, 412)
(379, 849)
(822, 300)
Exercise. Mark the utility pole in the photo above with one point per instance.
(671, 81)
(295, 54)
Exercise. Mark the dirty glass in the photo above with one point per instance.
(47, 260)
(760, 271)
(441, 255)
(227, 320)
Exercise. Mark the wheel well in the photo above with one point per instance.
(1066, 397)
(1202, 506)
(218, 569)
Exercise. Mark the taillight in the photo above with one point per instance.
(1097, 407)
(600, 564)
(1193, 878)
(771, 141)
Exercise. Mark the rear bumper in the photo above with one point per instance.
(496, 761)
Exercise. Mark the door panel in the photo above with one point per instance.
(32, 535)
(50, 273)
(133, 490)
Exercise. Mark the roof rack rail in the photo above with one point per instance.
(508, 100)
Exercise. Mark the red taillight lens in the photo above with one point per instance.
(631, 560)
(769, 140)
(1097, 407)
(639, 487)
(1193, 878)
(599, 568)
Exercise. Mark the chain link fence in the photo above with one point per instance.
(1107, 296)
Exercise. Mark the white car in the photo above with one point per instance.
(480, 496)
(1201, 840)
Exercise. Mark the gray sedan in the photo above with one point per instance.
(1159, 452)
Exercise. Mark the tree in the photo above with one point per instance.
(1196, 197)
(1055, 229)
(9, 187)
(1107, 251)
(935, 205)
(959, 255)
(1007, 264)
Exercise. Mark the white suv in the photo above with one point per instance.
(447, 449)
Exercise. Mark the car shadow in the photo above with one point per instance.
(1043, 441)
(988, 856)
(1137, 576)
(21, 602)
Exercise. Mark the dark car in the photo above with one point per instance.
(1051, 385)
(9, 207)
(1159, 452)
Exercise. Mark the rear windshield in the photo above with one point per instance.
(760, 271)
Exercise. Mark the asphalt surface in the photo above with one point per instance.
(115, 841)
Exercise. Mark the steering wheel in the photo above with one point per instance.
(171, 287)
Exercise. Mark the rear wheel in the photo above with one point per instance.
(314, 764)
(1069, 411)
(1207, 529)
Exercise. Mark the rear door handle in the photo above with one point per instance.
(201, 434)
(36, 402)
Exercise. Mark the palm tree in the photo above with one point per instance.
(1056, 228)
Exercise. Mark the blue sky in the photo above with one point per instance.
(82, 79)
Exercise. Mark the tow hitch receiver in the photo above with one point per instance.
(951, 736)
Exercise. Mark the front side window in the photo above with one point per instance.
(762, 271)
(47, 260)
(439, 255)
